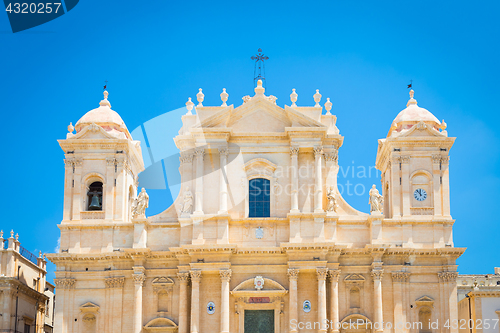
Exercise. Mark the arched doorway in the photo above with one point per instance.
(356, 323)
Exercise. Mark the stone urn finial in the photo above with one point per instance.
(71, 128)
(328, 106)
(189, 106)
(223, 96)
(1, 234)
(200, 97)
(317, 98)
(12, 234)
(17, 237)
(293, 97)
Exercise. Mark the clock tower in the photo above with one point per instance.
(414, 160)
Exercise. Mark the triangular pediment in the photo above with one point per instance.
(354, 278)
(425, 299)
(258, 114)
(162, 281)
(89, 307)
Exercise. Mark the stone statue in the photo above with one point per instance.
(332, 203)
(140, 204)
(376, 200)
(188, 201)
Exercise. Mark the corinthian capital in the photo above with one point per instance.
(334, 274)
(318, 150)
(195, 275)
(199, 152)
(223, 151)
(332, 156)
(322, 273)
(225, 274)
(186, 158)
(183, 277)
(293, 274)
(377, 274)
(400, 276)
(405, 159)
(294, 151)
(448, 276)
(139, 278)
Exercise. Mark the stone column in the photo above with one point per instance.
(293, 275)
(436, 182)
(397, 290)
(225, 276)
(195, 301)
(199, 180)
(395, 187)
(139, 278)
(318, 185)
(223, 180)
(77, 189)
(322, 273)
(294, 153)
(405, 180)
(377, 274)
(446, 185)
(8, 295)
(334, 300)
(183, 308)
(68, 188)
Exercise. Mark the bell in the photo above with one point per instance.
(94, 204)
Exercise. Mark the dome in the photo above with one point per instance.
(412, 115)
(108, 119)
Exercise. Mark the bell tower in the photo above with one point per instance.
(102, 163)
(414, 160)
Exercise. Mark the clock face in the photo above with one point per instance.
(420, 194)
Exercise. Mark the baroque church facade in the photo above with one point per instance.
(260, 238)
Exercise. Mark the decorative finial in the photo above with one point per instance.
(200, 97)
(317, 98)
(189, 106)
(259, 70)
(17, 237)
(293, 97)
(223, 96)
(40, 254)
(259, 90)
(12, 234)
(1, 234)
(71, 128)
(443, 125)
(412, 101)
(328, 106)
(105, 101)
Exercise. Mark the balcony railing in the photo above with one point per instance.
(92, 215)
(422, 211)
(28, 255)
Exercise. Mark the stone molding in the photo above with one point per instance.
(447, 276)
(225, 274)
(322, 273)
(293, 274)
(377, 274)
(139, 278)
(400, 276)
(195, 275)
(65, 283)
(334, 275)
(114, 282)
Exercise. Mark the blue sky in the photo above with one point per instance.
(156, 54)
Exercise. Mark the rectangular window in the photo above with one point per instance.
(259, 198)
(27, 328)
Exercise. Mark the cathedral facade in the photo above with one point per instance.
(260, 238)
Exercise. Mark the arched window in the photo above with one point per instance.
(355, 297)
(424, 317)
(94, 196)
(259, 201)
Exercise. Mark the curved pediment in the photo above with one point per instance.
(161, 325)
(259, 166)
(269, 285)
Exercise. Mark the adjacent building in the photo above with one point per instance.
(25, 301)
(479, 302)
(260, 238)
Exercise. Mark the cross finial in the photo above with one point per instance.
(259, 70)
(105, 85)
